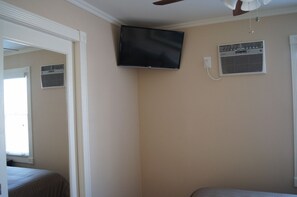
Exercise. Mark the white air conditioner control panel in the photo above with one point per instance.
(242, 58)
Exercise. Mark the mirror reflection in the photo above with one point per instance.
(36, 131)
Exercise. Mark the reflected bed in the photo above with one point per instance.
(36, 183)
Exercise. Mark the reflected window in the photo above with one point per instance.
(17, 112)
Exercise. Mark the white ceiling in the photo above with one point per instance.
(184, 13)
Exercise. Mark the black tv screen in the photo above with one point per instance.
(153, 48)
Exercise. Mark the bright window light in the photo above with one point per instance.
(16, 116)
(17, 113)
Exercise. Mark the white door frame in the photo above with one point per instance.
(37, 25)
(3, 173)
(293, 46)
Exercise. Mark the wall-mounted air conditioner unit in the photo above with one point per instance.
(52, 76)
(242, 58)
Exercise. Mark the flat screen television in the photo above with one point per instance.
(151, 48)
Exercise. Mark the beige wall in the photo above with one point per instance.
(113, 104)
(236, 132)
(49, 113)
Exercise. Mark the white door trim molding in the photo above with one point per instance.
(24, 17)
(85, 115)
(293, 46)
(3, 173)
(35, 22)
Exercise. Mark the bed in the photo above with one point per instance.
(220, 192)
(27, 182)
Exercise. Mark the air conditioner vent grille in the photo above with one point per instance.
(242, 58)
(52, 76)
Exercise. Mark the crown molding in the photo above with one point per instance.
(262, 13)
(25, 50)
(97, 12)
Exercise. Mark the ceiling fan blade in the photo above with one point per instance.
(238, 10)
(165, 2)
